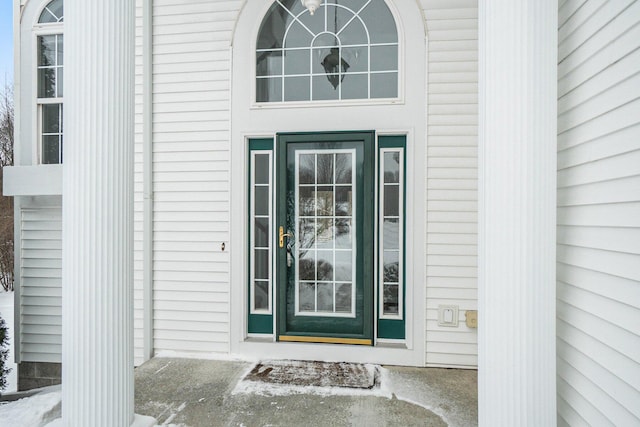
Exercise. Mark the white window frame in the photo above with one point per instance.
(41, 29)
(401, 77)
(270, 236)
(401, 237)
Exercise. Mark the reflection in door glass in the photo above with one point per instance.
(325, 248)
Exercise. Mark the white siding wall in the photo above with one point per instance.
(191, 122)
(40, 284)
(599, 213)
(452, 170)
(191, 131)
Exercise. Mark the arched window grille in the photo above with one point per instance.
(53, 12)
(347, 50)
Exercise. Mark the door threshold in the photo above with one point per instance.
(325, 340)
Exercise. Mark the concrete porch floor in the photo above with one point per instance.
(189, 392)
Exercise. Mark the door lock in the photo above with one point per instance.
(282, 235)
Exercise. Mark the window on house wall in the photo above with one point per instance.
(391, 233)
(347, 50)
(260, 236)
(50, 67)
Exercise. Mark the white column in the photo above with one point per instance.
(517, 161)
(97, 290)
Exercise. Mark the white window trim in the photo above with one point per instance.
(48, 29)
(270, 237)
(401, 220)
(402, 70)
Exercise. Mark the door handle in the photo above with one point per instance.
(282, 235)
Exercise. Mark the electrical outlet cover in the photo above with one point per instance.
(448, 315)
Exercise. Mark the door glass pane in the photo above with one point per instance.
(344, 296)
(261, 295)
(325, 245)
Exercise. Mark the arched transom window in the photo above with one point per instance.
(348, 49)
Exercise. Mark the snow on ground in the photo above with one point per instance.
(30, 411)
(6, 312)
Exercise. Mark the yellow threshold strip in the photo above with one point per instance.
(328, 340)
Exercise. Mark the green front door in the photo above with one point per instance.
(324, 237)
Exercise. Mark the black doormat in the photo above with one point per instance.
(317, 374)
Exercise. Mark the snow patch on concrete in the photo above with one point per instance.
(30, 411)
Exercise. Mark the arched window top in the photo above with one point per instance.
(52, 13)
(347, 50)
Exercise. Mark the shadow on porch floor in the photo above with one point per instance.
(188, 392)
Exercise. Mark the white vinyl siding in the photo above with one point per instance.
(40, 284)
(191, 131)
(452, 170)
(138, 203)
(598, 295)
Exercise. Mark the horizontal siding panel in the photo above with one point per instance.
(614, 263)
(40, 284)
(443, 271)
(457, 337)
(617, 288)
(219, 318)
(469, 250)
(610, 168)
(451, 359)
(187, 346)
(453, 282)
(616, 414)
(626, 342)
(453, 98)
(452, 216)
(434, 15)
(613, 191)
(453, 56)
(431, 5)
(615, 39)
(618, 142)
(451, 46)
(624, 116)
(617, 364)
(181, 325)
(615, 74)
(452, 261)
(613, 239)
(607, 310)
(598, 252)
(443, 293)
(452, 228)
(600, 104)
(453, 238)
